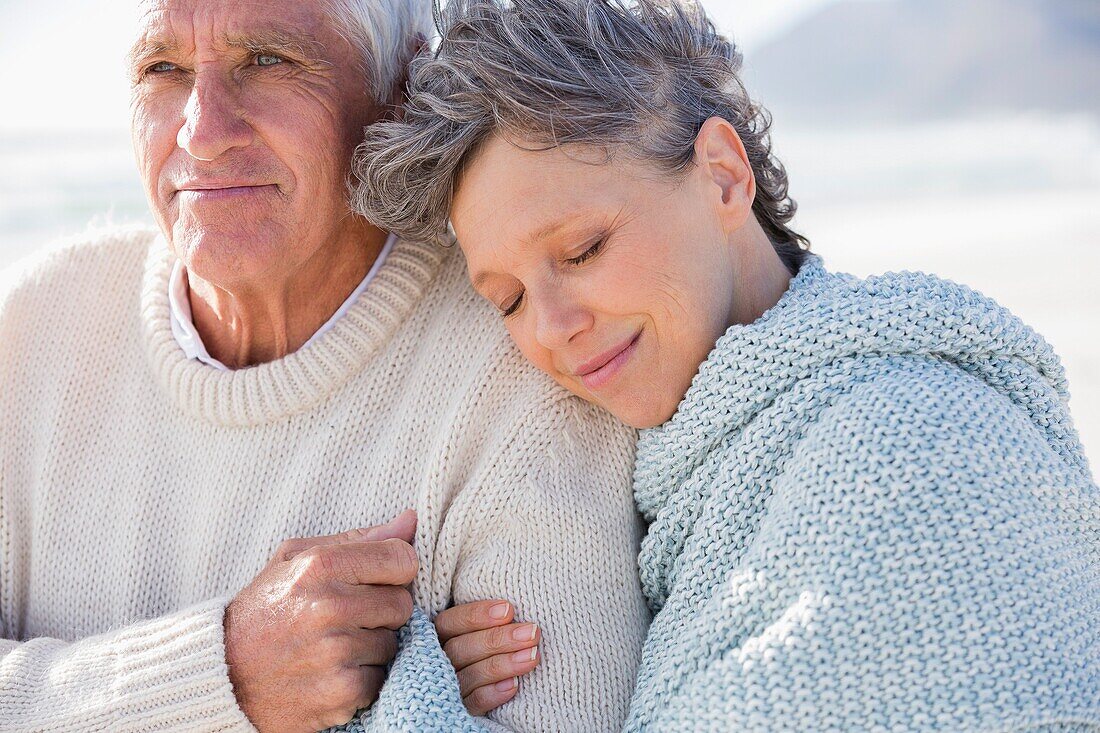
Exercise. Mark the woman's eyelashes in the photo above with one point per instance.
(509, 310)
(583, 257)
(588, 253)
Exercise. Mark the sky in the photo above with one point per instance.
(61, 61)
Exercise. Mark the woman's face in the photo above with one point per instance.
(612, 277)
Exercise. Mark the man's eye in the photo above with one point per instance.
(268, 59)
(161, 67)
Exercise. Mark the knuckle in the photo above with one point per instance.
(316, 562)
(332, 651)
(387, 607)
(401, 557)
(498, 638)
(403, 604)
(497, 669)
(388, 645)
(451, 649)
(326, 610)
(288, 548)
(354, 535)
(375, 677)
(480, 701)
(344, 690)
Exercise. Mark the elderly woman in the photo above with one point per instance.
(868, 507)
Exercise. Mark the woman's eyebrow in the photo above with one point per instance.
(576, 226)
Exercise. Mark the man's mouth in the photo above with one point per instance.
(217, 192)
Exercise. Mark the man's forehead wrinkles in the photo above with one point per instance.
(273, 39)
(264, 39)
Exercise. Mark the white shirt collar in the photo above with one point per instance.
(183, 323)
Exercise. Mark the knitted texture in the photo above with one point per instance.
(140, 490)
(421, 693)
(871, 512)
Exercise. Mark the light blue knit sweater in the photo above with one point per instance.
(421, 693)
(871, 512)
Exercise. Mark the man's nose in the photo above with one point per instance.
(559, 318)
(212, 119)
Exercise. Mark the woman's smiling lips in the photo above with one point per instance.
(597, 372)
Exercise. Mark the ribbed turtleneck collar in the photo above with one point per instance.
(299, 381)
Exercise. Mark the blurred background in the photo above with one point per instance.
(960, 137)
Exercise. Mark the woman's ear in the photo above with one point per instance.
(723, 163)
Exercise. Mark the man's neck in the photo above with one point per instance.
(243, 326)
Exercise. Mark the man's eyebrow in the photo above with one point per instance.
(145, 47)
(276, 40)
(271, 41)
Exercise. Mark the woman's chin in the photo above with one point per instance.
(639, 409)
(643, 411)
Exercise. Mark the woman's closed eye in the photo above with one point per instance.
(510, 309)
(580, 259)
(588, 253)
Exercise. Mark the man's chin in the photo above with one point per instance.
(228, 257)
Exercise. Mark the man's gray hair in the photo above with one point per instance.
(631, 77)
(385, 33)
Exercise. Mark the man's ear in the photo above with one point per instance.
(723, 162)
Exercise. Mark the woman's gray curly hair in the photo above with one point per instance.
(638, 77)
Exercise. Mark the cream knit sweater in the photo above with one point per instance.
(140, 490)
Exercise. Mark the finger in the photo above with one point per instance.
(469, 617)
(490, 697)
(385, 562)
(369, 647)
(497, 669)
(402, 527)
(373, 678)
(376, 607)
(470, 648)
(355, 648)
(339, 697)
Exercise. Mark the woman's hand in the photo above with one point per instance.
(488, 651)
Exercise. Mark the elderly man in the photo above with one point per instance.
(177, 407)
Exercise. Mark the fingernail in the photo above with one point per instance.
(498, 611)
(507, 684)
(524, 633)
(527, 655)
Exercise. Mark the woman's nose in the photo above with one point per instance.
(212, 120)
(559, 319)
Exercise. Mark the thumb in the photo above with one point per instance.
(401, 527)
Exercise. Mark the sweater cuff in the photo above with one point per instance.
(171, 674)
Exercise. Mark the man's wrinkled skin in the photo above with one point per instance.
(244, 119)
(307, 640)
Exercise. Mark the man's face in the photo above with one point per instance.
(244, 118)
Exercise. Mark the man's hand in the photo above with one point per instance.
(488, 651)
(307, 640)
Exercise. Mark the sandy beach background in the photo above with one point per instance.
(1003, 196)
